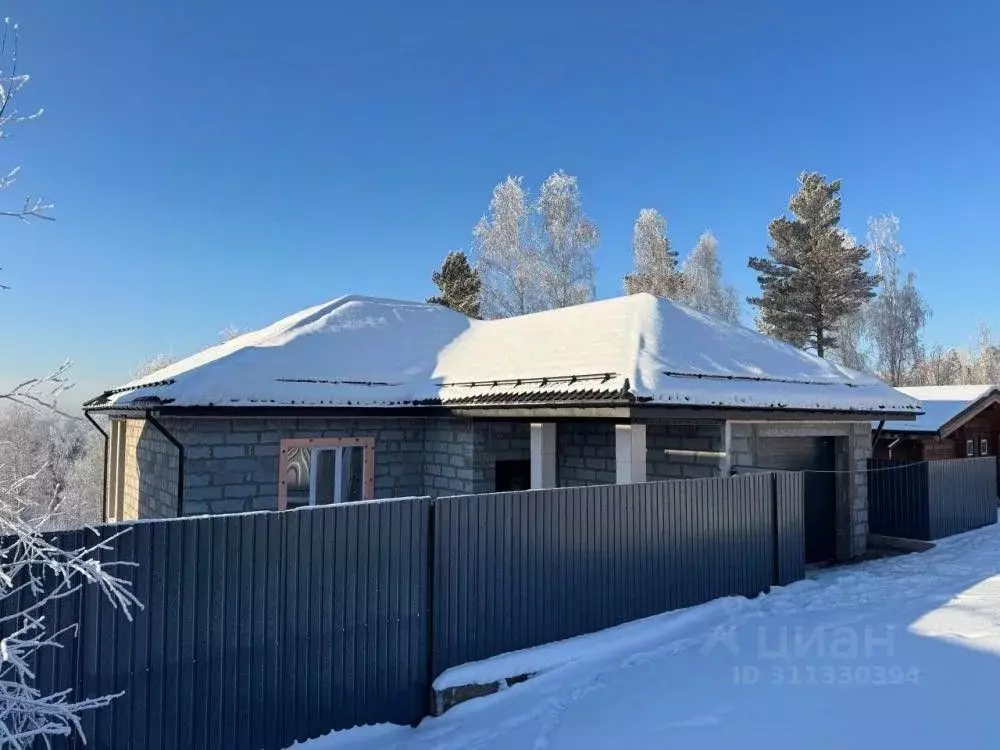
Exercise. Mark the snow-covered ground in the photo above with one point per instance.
(902, 652)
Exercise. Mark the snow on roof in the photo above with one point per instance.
(942, 403)
(363, 351)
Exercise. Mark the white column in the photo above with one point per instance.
(726, 462)
(543, 455)
(630, 453)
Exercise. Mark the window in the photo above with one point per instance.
(984, 447)
(970, 448)
(322, 471)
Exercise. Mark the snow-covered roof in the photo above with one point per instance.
(364, 351)
(942, 403)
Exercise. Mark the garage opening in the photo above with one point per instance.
(817, 457)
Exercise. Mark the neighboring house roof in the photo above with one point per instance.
(364, 351)
(946, 407)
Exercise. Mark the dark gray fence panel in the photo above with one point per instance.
(898, 498)
(517, 569)
(963, 495)
(258, 630)
(791, 527)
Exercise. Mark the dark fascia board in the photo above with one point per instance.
(989, 398)
(622, 411)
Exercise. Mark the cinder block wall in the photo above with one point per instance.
(150, 472)
(688, 437)
(231, 465)
(449, 453)
(585, 453)
(497, 441)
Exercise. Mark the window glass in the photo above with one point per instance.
(352, 474)
(325, 476)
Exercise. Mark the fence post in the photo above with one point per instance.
(429, 708)
(775, 561)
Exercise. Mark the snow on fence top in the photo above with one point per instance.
(364, 351)
(941, 404)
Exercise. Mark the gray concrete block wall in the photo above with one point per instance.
(449, 451)
(585, 453)
(680, 436)
(497, 441)
(231, 465)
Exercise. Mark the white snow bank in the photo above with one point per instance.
(602, 644)
(902, 652)
(362, 351)
(941, 404)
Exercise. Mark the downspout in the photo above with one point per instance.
(878, 433)
(180, 459)
(893, 444)
(104, 476)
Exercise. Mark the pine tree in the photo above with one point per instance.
(459, 283)
(815, 274)
(655, 260)
(702, 287)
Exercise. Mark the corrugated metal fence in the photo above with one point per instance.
(263, 629)
(931, 499)
(518, 569)
(962, 494)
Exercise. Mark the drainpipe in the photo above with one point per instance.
(180, 459)
(104, 477)
(893, 444)
(878, 433)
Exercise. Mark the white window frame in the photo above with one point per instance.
(317, 445)
(970, 448)
(984, 446)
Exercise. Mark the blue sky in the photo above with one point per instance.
(213, 166)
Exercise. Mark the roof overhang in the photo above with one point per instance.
(973, 409)
(623, 410)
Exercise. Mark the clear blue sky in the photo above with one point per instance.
(220, 163)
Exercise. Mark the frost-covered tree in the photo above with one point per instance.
(701, 282)
(534, 256)
(567, 244)
(815, 274)
(939, 366)
(898, 314)
(853, 341)
(655, 261)
(984, 360)
(154, 363)
(506, 256)
(230, 332)
(34, 572)
(459, 285)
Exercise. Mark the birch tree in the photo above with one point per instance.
(567, 245)
(506, 257)
(701, 282)
(534, 256)
(815, 275)
(654, 260)
(898, 314)
(34, 571)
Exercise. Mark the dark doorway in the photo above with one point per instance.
(512, 476)
(815, 456)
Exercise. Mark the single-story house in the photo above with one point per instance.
(370, 398)
(959, 421)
